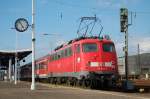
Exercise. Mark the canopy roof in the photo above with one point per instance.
(6, 55)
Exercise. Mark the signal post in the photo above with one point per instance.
(124, 28)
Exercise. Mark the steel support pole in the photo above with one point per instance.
(33, 48)
(16, 58)
(139, 62)
(126, 53)
(15, 69)
(10, 69)
(18, 70)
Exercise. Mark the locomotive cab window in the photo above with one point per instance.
(108, 47)
(90, 47)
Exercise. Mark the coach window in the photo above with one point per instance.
(44, 65)
(77, 48)
(51, 58)
(37, 67)
(62, 53)
(65, 52)
(55, 56)
(40, 66)
(69, 51)
(90, 47)
(58, 55)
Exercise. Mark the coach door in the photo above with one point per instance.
(77, 58)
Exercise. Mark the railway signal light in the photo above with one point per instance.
(123, 19)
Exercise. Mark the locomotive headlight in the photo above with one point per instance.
(78, 59)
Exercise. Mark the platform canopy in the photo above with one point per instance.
(6, 55)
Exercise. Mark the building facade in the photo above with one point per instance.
(137, 64)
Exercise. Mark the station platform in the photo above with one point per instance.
(21, 91)
(46, 91)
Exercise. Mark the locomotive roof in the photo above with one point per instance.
(79, 39)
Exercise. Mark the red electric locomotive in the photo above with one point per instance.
(87, 61)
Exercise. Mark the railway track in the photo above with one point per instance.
(142, 84)
(139, 86)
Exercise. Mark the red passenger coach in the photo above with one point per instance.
(89, 61)
(42, 67)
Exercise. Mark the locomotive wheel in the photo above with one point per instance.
(87, 83)
(78, 83)
(72, 81)
(51, 80)
(58, 81)
(83, 83)
(62, 80)
(54, 80)
(68, 82)
(94, 84)
(75, 82)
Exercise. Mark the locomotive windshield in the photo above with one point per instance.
(90, 47)
(108, 47)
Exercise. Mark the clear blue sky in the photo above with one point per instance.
(48, 20)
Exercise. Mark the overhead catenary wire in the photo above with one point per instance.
(60, 2)
(72, 5)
